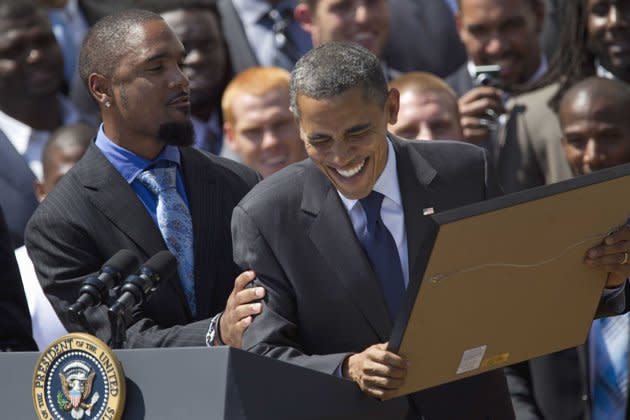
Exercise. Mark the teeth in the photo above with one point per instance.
(352, 171)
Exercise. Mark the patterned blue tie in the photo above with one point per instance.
(175, 224)
(381, 249)
(610, 386)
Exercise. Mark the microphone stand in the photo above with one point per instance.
(119, 320)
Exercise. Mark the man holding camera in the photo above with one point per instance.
(501, 40)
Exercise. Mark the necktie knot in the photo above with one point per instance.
(372, 207)
(158, 180)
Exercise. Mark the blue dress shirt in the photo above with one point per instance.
(130, 165)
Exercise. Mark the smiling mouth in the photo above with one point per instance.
(349, 173)
(182, 99)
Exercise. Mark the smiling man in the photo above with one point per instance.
(314, 235)
(259, 127)
(140, 186)
(336, 238)
(496, 32)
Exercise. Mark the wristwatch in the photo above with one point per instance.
(213, 337)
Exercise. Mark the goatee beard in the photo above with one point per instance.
(177, 133)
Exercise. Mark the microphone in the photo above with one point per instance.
(137, 287)
(95, 288)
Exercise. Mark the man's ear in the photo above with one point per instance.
(392, 105)
(100, 89)
(40, 191)
(302, 14)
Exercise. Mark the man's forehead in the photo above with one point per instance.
(149, 39)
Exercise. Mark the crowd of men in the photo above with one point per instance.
(282, 144)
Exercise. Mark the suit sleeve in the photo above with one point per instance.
(276, 331)
(64, 254)
(521, 392)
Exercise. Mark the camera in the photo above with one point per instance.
(487, 75)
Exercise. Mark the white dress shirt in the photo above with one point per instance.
(30, 142)
(391, 211)
(45, 322)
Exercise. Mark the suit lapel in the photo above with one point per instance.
(333, 235)
(112, 196)
(414, 177)
(203, 196)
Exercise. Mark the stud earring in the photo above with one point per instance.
(108, 104)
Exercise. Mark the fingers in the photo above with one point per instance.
(612, 256)
(377, 371)
(243, 279)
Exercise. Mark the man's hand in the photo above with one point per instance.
(479, 109)
(377, 371)
(240, 309)
(612, 256)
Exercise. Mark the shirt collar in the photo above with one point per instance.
(19, 134)
(387, 183)
(128, 163)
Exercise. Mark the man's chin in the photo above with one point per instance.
(177, 133)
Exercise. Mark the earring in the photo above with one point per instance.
(108, 104)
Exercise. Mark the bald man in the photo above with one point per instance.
(428, 108)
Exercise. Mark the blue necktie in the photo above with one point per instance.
(610, 386)
(381, 249)
(175, 224)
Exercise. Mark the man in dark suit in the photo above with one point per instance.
(109, 200)
(15, 320)
(311, 231)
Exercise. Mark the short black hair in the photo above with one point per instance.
(334, 68)
(102, 47)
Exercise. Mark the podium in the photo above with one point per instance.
(217, 383)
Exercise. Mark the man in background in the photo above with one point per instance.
(63, 150)
(495, 32)
(31, 106)
(428, 108)
(259, 127)
(589, 381)
(363, 22)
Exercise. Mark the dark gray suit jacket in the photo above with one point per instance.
(17, 191)
(15, 320)
(422, 36)
(240, 51)
(555, 386)
(92, 213)
(460, 80)
(324, 300)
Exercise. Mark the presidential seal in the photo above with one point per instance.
(78, 377)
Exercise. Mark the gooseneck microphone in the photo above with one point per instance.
(95, 288)
(137, 287)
